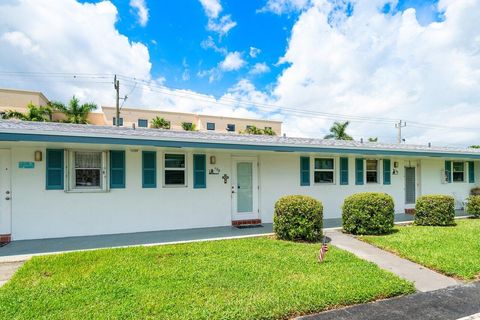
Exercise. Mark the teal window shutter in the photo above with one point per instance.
(304, 171)
(448, 170)
(344, 171)
(117, 169)
(55, 169)
(359, 171)
(471, 172)
(149, 169)
(199, 171)
(387, 175)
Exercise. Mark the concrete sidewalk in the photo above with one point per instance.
(445, 304)
(7, 269)
(423, 278)
(23, 249)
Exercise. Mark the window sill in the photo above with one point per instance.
(87, 191)
(175, 186)
(324, 183)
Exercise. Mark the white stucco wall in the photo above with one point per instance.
(40, 213)
(279, 176)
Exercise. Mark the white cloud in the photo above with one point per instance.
(212, 8)
(254, 52)
(82, 48)
(140, 7)
(221, 25)
(68, 37)
(284, 6)
(217, 23)
(209, 43)
(233, 61)
(259, 68)
(186, 70)
(390, 67)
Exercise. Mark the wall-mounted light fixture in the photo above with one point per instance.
(213, 160)
(395, 164)
(38, 155)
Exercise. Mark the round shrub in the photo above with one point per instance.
(473, 206)
(435, 210)
(368, 213)
(298, 217)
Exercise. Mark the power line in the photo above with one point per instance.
(183, 93)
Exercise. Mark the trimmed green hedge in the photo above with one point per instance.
(298, 217)
(473, 206)
(368, 213)
(435, 210)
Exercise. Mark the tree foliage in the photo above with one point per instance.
(188, 126)
(159, 123)
(34, 113)
(339, 131)
(74, 112)
(254, 130)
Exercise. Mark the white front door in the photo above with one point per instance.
(244, 188)
(5, 193)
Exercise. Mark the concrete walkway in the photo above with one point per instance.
(459, 302)
(26, 248)
(423, 278)
(7, 269)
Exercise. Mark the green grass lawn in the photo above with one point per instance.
(454, 251)
(255, 278)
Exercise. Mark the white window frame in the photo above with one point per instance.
(164, 169)
(464, 172)
(70, 170)
(379, 178)
(325, 170)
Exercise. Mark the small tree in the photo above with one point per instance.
(34, 113)
(188, 126)
(371, 139)
(475, 146)
(254, 130)
(74, 112)
(339, 131)
(160, 123)
(269, 132)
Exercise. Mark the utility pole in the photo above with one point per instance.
(401, 124)
(116, 85)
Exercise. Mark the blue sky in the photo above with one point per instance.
(176, 29)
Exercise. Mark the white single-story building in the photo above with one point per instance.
(61, 180)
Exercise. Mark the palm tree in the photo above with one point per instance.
(188, 126)
(254, 130)
(338, 131)
(160, 123)
(34, 113)
(269, 132)
(74, 112)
